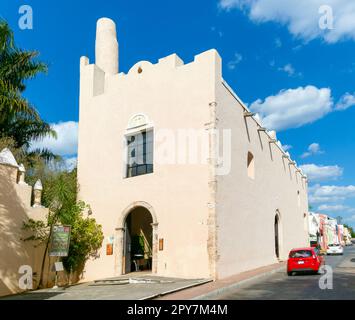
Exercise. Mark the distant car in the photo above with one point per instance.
(304, 259)
(335, 249)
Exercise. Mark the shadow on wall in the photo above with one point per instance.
(14, 252)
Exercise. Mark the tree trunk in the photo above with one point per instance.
(40, 282)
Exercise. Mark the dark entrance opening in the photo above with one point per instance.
(277, 243)
(138, 240)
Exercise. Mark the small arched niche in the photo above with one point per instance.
(251, 166)
(140, 67)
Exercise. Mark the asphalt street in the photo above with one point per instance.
(279, 286)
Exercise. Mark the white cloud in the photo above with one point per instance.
(287, 147)
(345, 102)
(65, 164)
(321, 173)
(336, 207)
(319, 194)
(66, 143)
(230, 4)
(293, 108)
(313, 149)
(70, 163)
(342, 191)
(289, 69)
(220, 33)
(349, 219)
(302, 17)
(278, 43)
(236, 60)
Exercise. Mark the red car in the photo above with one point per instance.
(304, 259)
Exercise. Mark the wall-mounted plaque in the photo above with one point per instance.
(161, 244)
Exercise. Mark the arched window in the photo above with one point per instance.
(298, 198)
(277, 236)
(251, 166)
(140, 153)
(140, 146)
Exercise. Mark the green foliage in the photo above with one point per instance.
(137, 245)
(21, 124)
(60, 196)
(351, 229)
(19, 120)
(86, 239)
(38, 230)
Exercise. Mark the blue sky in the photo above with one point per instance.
(299, 77)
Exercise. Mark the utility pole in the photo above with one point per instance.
(339, 219)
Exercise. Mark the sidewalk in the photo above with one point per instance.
(212, 290)
(134, 286)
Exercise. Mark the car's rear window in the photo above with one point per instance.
(301, 254)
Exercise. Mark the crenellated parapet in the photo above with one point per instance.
(16, 209)
(99, 77)
(14, 175)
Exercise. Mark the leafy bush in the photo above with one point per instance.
(60, 196)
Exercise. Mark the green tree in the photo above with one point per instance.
(60, 196)
(19, 119)
(351, 229)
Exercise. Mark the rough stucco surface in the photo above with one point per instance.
(246, 207)
(173, 96)
(15, 208)
(212, 226)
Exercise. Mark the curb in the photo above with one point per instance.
(213, 295)
(158, 295)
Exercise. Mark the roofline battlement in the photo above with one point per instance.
(271, 134)
(94, 77)
(97, 75)
(172, 61)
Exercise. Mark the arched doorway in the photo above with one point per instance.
(277, 236)
(138, 241)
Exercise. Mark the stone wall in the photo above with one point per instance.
(15, 209)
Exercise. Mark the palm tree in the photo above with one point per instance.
(19, 120)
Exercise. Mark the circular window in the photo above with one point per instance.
(140, 70)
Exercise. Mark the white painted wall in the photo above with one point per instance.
(246, 207)
(176, 96)
(173, 96)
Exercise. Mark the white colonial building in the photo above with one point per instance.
(183, 178)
